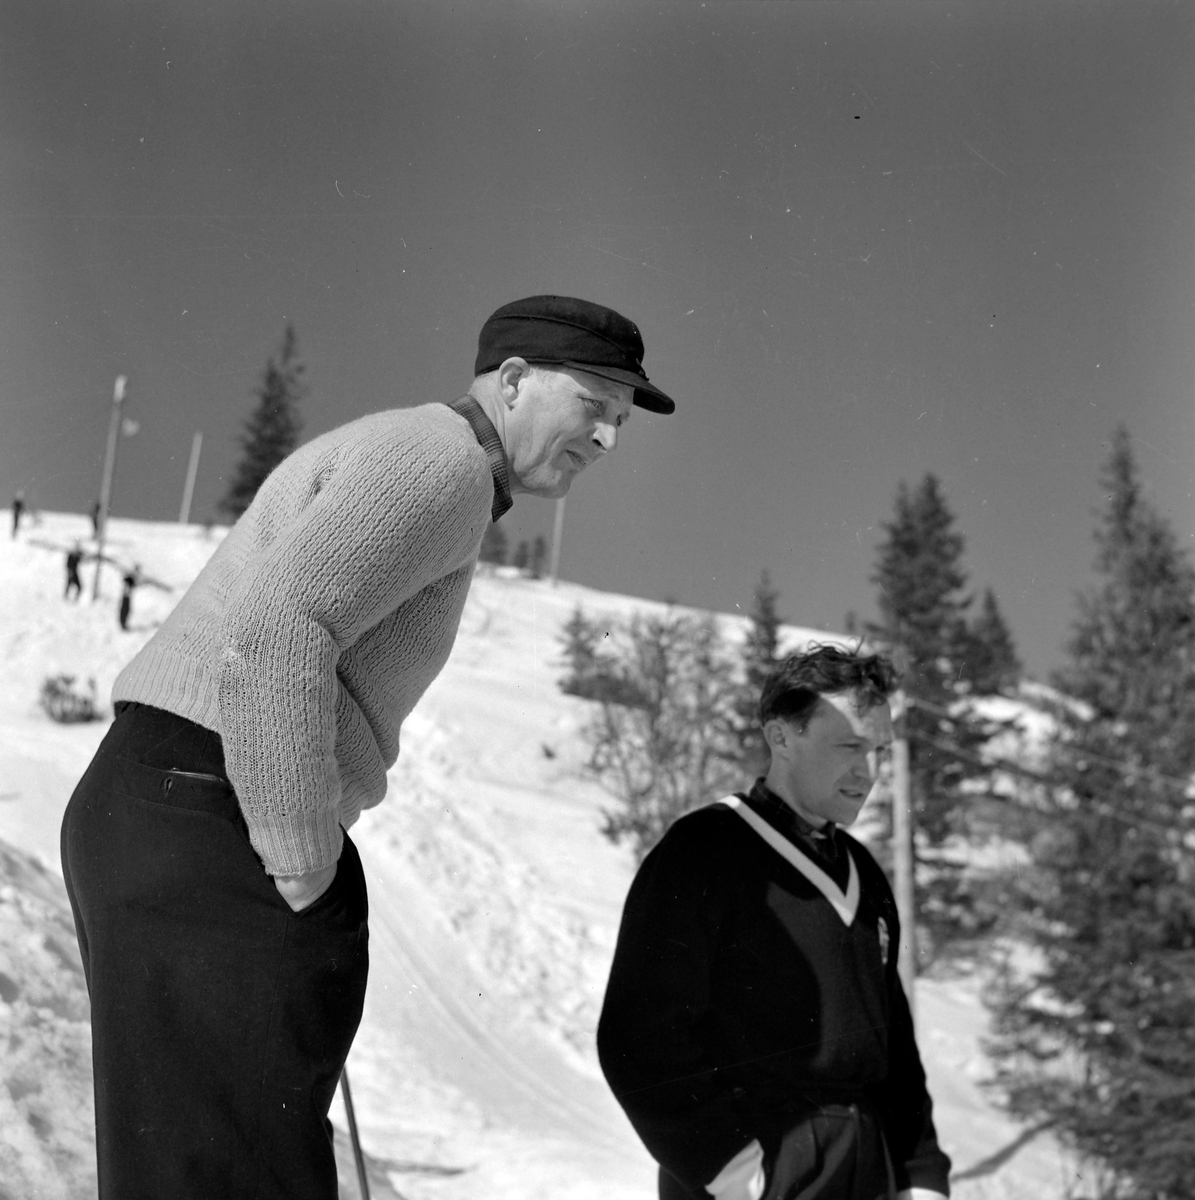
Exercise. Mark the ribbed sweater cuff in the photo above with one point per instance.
(934, 1176)
(296, 844)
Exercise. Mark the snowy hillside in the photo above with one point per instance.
(494, 907)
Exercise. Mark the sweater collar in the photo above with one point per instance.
(489, 441)
(822, 843)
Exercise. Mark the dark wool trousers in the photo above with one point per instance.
(221, 1019)
(835, 1153)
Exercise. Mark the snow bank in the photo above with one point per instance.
(46, 1116)
(494, 907)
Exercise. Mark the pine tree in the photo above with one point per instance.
(579, 642)
(272, 429)
(763, 637)
(1112, 903)
(759, 659)
(922, 607)
(593, 671)
(991, 664)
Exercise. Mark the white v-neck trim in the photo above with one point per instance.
(845, 904)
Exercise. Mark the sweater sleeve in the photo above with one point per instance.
(336, 553)
(657, 999)
(903, 1099)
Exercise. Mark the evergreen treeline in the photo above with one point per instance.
(1097, 1034)
(1101, 1039)
(531, 557)
(945, 656)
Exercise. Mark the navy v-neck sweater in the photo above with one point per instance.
(739, 999)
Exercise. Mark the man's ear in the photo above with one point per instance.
(511, 373)
(778, 734)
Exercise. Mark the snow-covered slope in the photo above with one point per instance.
(494, 907)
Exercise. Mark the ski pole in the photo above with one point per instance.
(358, 1157)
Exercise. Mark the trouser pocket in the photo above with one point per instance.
(221, 1021)
(834, 1153)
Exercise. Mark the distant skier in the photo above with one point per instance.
(95, 519)
(73, 558)
(18, 509)
(130, 581)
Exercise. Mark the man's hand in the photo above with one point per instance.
(919, 1194)
(299, 891)
(742, 1178)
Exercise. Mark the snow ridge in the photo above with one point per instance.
(494, 907)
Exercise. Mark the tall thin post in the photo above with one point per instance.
(557, 538)
(902, 846)
(355, 1137)
(106, 485)
(184, 513)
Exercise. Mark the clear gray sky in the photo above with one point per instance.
(863, 241)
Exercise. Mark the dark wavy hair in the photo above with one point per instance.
(791, 691)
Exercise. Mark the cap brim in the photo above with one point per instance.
(647, 395)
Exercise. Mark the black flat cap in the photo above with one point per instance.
(565, 332)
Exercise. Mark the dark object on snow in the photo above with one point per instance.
(67, 705)
(18, 509)
(73, 559)
(130, 580)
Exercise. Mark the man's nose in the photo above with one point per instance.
(605, 435)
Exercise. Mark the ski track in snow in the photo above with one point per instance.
(494, 908)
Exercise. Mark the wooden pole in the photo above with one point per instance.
(557, 538)
(358, 1156)
(106, 485)
(184, 513)
(902, 846)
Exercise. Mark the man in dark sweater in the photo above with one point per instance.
(754, 1028)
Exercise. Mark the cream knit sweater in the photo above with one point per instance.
(320, 621)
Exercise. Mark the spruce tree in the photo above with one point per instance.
(579, 641)
(992, 664)
(593, 669)
(923, 624)
(922, 606)
(759, 659)
(1112, 901)
(272, 429)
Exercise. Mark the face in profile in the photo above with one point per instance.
(559, 421)
(830, 766)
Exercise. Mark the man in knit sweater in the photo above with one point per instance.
(754, 1028)
(219, 903)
